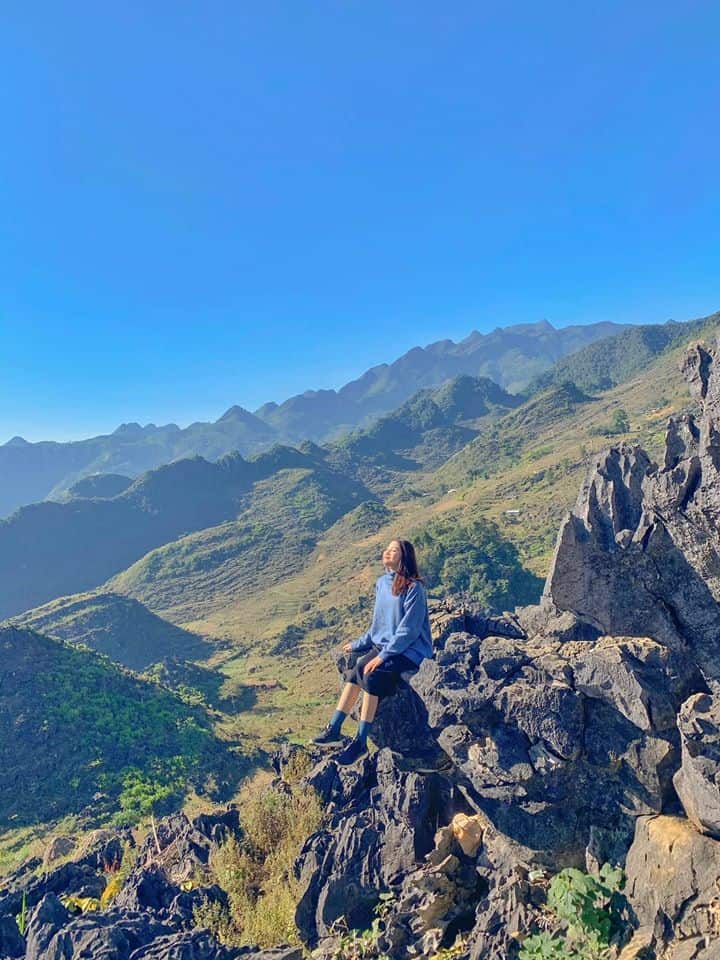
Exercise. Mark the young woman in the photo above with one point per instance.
(398, 640)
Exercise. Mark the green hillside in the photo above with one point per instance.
(120, 627)
(421, 435)
(270, 540)
(74, 725)
(49, 549)
(613, 360)
(31, 472)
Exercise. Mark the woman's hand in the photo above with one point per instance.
(347, 648)
(372, 665)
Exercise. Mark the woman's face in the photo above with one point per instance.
(392, 555)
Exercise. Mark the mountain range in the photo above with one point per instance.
(510, 356)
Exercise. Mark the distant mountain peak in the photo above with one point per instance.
(128, 428)
(265, 409)
(17, 442)
(236, 413)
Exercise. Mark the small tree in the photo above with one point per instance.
(620, 422)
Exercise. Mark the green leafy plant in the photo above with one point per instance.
(591, 910)
(363, 944)
(21, 918)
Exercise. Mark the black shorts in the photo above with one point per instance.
(384, 680)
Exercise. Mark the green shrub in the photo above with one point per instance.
(132, 739)
(619, 424)
(474, 558)
(591, 911)
(257, 872)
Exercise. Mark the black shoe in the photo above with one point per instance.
(353, 752)
(329, 737)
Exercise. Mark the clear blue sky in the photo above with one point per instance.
(208, 203)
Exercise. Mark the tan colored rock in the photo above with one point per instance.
(468, 832)
(640, 947)
(673, 883)
(57, 848)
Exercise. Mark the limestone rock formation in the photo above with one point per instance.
(640, 552)
(698, 780)
(591, 735)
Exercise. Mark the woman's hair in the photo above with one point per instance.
(407, 572)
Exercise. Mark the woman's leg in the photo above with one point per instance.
(358, 747)
(348, 697)
(368, 708)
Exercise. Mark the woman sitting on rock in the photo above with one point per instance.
(398, 640)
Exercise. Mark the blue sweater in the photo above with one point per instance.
(399, 624)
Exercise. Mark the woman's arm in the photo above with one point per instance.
(362, 643)
(408, 629)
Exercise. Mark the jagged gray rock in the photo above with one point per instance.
(549, 737)
(638, 530)
(698, 780)
(556, 747)
(121, 934)
(82, 877)
(112, 935)
(152, 916)
(382, 821)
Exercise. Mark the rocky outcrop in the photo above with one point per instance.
(638, 531)
(85, 876)
(150, 917)
(589, 735)
(382, 819)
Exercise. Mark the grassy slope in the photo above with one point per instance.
(120, 627)
(75, 723)
(269, 541)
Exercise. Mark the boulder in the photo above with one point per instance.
(57, 848)
(108, 935)
(672, 886)
(698, 780)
